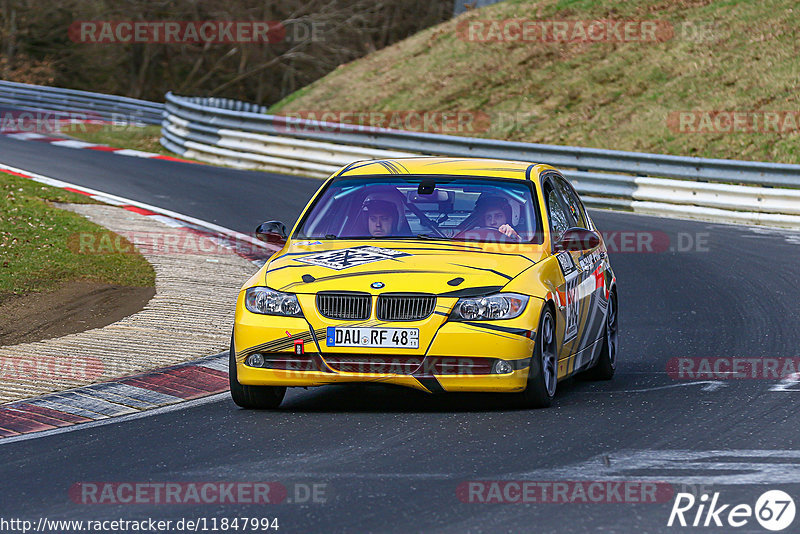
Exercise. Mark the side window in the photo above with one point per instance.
(573, 203)
(560, 220)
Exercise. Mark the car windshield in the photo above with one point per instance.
(425, 207)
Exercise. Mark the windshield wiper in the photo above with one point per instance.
(434, 237)
(331, 236)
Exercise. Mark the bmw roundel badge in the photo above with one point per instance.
(377, 285)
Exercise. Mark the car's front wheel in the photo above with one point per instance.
(542, 375)
(254, 397)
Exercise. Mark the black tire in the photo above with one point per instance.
(607, 362)
(542, 376)
(252, 397)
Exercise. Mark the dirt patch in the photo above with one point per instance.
(74, 307)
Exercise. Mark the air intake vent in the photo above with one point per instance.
(346, 306)
(405, 307)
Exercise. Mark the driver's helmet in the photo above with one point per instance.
(374, 205)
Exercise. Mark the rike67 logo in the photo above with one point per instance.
(774, 510)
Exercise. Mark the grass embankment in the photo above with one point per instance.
(35, 237)
(734, 55)
(144, 138)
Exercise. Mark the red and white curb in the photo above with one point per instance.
(73, 143)
(242, 244)
(132, 395)
(124, 396)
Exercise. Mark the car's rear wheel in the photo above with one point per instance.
(253, 397)
(542, 376)
(607, 362)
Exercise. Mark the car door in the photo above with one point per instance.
(569, 309)
(590, 264)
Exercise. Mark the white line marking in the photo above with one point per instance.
(220, 364)
(787, 383)
(708, 385)
(26, 135)
(107, 200)
(134, 392)
(71, 143)
(66, 408)
(135, 153)
(117, 399)
(169, 221)
(732, 467)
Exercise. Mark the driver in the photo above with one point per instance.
(381, 218)
(497, 214)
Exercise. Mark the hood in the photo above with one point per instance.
(373, 266)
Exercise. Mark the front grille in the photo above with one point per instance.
(405, 307)
(344, 305)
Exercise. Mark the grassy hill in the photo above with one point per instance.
(725, 56)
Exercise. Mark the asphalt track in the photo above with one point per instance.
(392, 459)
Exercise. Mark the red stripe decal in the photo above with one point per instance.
(55, 414)
(194, 378)
(7, 433)
(21, 424)
(166, 384)
(37, 417)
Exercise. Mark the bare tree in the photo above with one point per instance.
(319, 36)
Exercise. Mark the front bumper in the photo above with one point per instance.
(453, 356)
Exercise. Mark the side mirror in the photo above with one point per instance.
(577, 239)
(273, 232)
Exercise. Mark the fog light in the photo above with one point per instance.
(255, 360)
(502, 367)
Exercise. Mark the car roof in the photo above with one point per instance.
(478, 167)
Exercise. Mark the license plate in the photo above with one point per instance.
(404, 338)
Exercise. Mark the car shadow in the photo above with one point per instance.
(375, 398)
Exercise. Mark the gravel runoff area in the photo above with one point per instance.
(190, 316)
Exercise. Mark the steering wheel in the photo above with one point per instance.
(482, 233)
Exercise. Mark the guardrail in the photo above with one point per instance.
(243, 135)
(75, 103)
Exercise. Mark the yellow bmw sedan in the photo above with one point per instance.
(437, 274)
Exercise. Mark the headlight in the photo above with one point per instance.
(269, 302)
(499, 306)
